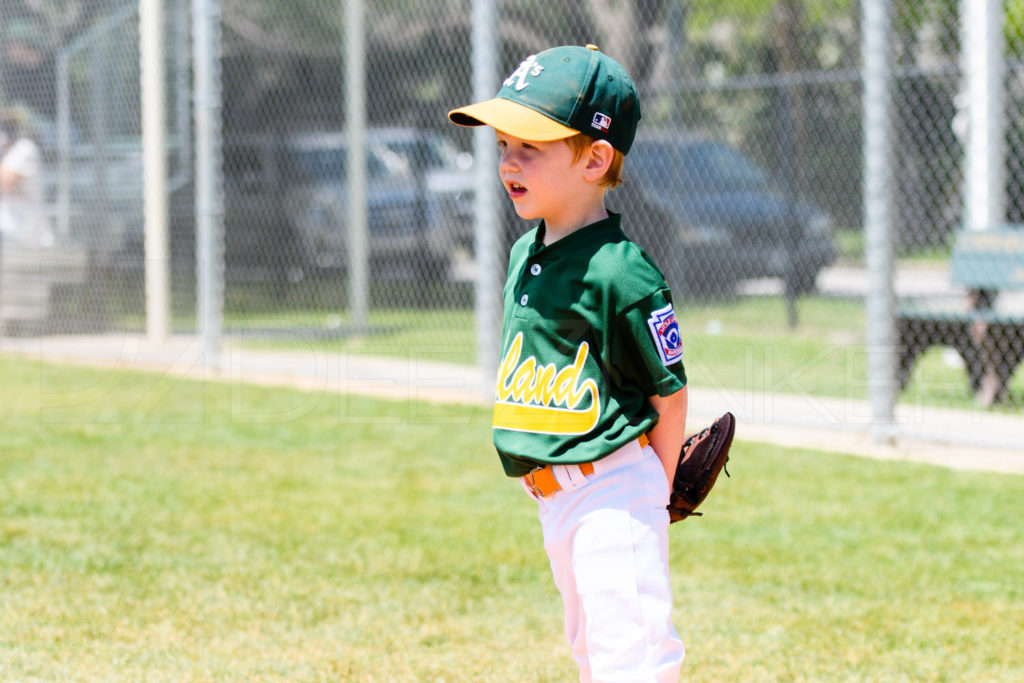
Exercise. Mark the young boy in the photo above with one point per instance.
(591, 393)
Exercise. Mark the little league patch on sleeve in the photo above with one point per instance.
(665, 331)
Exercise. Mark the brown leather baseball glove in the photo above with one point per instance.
(703, 457)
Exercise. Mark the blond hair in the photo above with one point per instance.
(581, 142)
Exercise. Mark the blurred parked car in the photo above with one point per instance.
(96, 196)
(710, 217)
(445, 171)
(285, 208)
(285, 205)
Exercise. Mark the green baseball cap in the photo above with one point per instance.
(558, 93)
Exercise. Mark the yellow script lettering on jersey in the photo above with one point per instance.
(544, 399)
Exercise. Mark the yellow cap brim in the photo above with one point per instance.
(511, 118)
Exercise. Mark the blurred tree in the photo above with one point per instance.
(31, 32)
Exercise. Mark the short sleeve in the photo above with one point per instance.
(647, 346)
(23, 159)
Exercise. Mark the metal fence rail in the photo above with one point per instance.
(786, 178)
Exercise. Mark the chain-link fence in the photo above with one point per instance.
(746, 182)
(69, 86)
(958, 196)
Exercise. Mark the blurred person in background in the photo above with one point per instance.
(22, 215)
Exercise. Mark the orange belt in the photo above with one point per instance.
(542, 482)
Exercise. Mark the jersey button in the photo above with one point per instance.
(523, 299)
(535, 269)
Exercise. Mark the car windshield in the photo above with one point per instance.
(700, 167)
(330, 164)
(437, 152)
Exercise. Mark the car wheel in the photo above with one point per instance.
(801, 282)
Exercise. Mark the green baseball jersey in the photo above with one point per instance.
(589, 333)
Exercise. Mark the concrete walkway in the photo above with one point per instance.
(968, 439)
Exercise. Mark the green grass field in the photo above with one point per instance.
(743, 343)
(164, 530)
(740, 344)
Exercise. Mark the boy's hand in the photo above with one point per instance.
(703, 457)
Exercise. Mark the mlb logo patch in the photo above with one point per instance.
(665, 331)
(601, 122)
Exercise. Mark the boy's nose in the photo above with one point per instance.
(506, 161)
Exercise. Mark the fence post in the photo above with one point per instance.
(158, 281)
(983, 67)
(355, 122)
(209, 194)
(877, 74)
(63, 145)
(487, 226)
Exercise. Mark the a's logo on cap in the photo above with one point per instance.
(601, 122)
(528, 67)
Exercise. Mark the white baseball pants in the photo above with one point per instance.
(606, 536)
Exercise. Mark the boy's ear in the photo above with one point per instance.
(599, 159)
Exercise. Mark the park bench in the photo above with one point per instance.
(988, 336)
(31, 278)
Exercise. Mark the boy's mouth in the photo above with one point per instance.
(515, 190)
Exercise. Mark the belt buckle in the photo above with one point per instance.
(532, 483)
